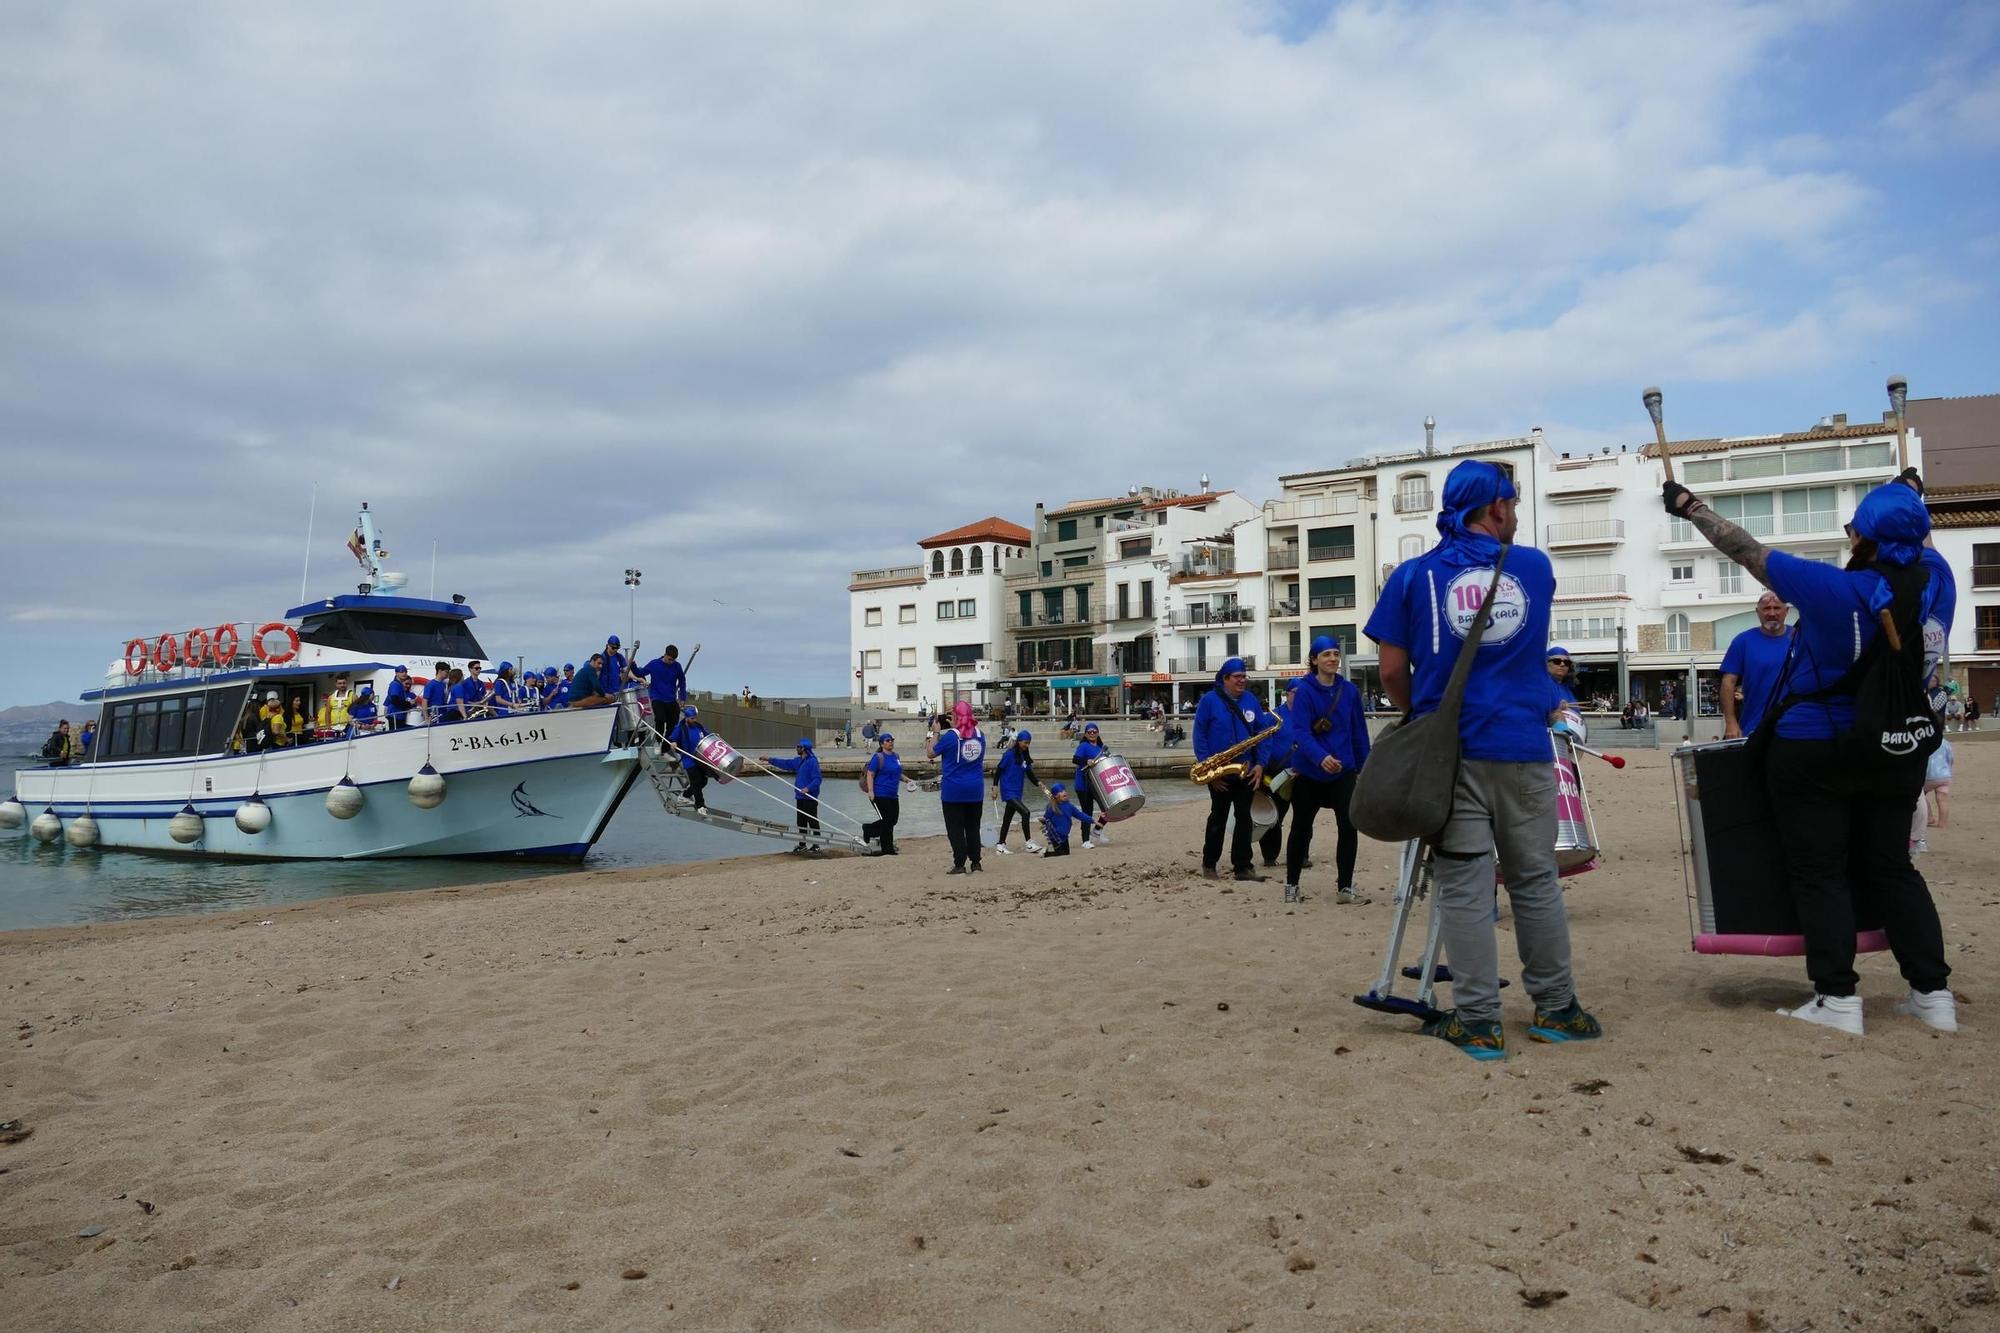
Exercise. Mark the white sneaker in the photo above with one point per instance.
(1088, 843)
(1003, 851)
(1034, 847)
(1841, 1012)
(1923, 845)
(1937, 1008)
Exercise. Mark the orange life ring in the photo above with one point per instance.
(269, 658)
(196, 651)
(225, 634)
(166, 653)
(135, 665)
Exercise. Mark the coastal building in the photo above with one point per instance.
(1962, 478)
(931, 630)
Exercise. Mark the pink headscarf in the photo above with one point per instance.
(962, 720)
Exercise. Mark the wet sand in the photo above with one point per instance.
(1096, 1093)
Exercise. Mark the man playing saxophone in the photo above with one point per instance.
(1230, 721)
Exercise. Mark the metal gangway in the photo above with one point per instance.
(666, 768)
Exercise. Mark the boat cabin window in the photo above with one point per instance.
(175, 724)
(392, 634)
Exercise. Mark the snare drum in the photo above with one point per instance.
(720, 756)
(1117, 787)
(1577, 848)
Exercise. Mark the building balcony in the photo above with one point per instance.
(1413, 502)
(1587, 532)
(1332, 601)
(1986, 576)
(887, 577)
(1591, 585)
(1279, 512)
(1986, 641)
(1204, 617)
(1223, 562)
(1321, 554)
(1282, 557)
(1284, 608)
(1206, 666)
(1706, 594)
(1044, 619)
(1790, 530)
(1089, 664)
(1589, 482)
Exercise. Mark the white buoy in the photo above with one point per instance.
(253, 816)
(187, 826)
(427, 788)
(344, 800)
(46, 828)
(82, 831)
(12, 813)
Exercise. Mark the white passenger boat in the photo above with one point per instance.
(168, 774)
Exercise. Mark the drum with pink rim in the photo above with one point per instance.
(1577, 849)
(1118, 793)
(720, 756)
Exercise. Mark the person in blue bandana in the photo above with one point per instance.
(401, 699)
(1562, 677)
(555, 690)
(1844, 823)
(1327, 729)
(1505, 801)
(804, 768)
(681, 742)
(505, 697)
(1011, 777)
(1058, 816)
(882, 783)
(1227, 716)
(361, 714)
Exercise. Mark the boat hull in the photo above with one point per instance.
(538, 785)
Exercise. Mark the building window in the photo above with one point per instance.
(1083, 606)
(957, 561)
(1708, 469)
(1146, 600)
(871, 615)
(1986, 564)
(1986, 629)
(1229, 644)
(978, 559)
(1066, 530)
(1132, 550)
(906, 614)
(1680, 637)
(1341, 634)
(1075, 561)
(1413, 493)
(1027, 608)
(874, 690)
(1052, 606)
(1124, 601)
(960, 654)
(1409, 548)
(967, 608)
(1681, 573)
(947, 610)
(905, 693)
(1330, 543)
(906, 657)
(1729, 577)
(937, 562)
(1810, 510)
(1048, 568)
(1330, 594)
(872, 659)
(1750, 511)
(1757, 465)
(1100, 523)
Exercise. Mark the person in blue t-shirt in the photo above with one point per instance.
(1562, 676)
(555, 690)
(1011, 777)
(1844, 826)
(1754, 667)
(612, 675)
(504, 698)
(1058, 817)
(961, 752)
(882, 782)
(1327, 729)
(666, 685)
(804, 768)
(1227, 716)
(1505, 801)
(681, 742)
(361, 714)
(400, 699)
(437, 694)
(468, 695)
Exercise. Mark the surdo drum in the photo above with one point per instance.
(720, 756)
(1117, 786)
(1577, 848)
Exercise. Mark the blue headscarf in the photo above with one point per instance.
(1230, 668)
(1321, 643)
(1894, 518)
(1470, 487)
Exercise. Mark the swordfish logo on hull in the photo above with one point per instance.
(523, 807)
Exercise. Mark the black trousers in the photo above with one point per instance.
(1845, 837)
(888, 810)
(1007, 813)
(697, 776)
(1272, 840)
(961, 825)
(1057, 847)
(1086, 798)
(1234, 797)
(1309, 797)
(808, 812)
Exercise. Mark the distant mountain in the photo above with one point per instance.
(23, 729)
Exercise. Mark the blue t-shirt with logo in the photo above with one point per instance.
(1757, 660)
(1427, 609)
(888, 771)
(1836, 624)
(964, 761)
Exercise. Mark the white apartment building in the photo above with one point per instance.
(932, 630)
(1177, 595)
(1965, 528)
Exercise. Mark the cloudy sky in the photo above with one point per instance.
(750, 296)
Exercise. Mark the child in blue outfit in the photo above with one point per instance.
(1057, 819)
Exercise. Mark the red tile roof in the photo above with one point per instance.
(1967, 518)
(1866, 430)
(1108, 502)
(991, 528)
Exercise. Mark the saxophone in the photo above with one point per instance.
(1222, 763)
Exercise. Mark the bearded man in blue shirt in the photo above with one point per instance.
(1505, 801)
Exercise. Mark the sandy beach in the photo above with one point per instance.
(1100, 1093)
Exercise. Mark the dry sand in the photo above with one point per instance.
(1100, 1093)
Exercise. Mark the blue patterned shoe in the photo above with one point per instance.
(1572, 1023)
(1480, 1040)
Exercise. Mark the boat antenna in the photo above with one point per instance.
(311, 514)
(434, 569)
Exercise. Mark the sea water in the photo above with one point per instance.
(57, 885)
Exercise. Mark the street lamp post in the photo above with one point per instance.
(632, 604)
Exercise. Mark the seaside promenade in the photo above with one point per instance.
(1100, 1093)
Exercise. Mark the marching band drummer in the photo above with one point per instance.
(1755, 665)
(1505, 801)
(1087, 752)
(686, 735)
(1844, 826)
(1562, 671)
(1227, 716)
(1328, 730)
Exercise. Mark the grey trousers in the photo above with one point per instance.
(1511, 807)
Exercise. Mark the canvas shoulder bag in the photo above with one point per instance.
(1405, 789)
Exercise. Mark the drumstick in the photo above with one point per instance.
(1615, 760)
(1899, 393)
(1652, 399)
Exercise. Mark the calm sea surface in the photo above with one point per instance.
(57, 885)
